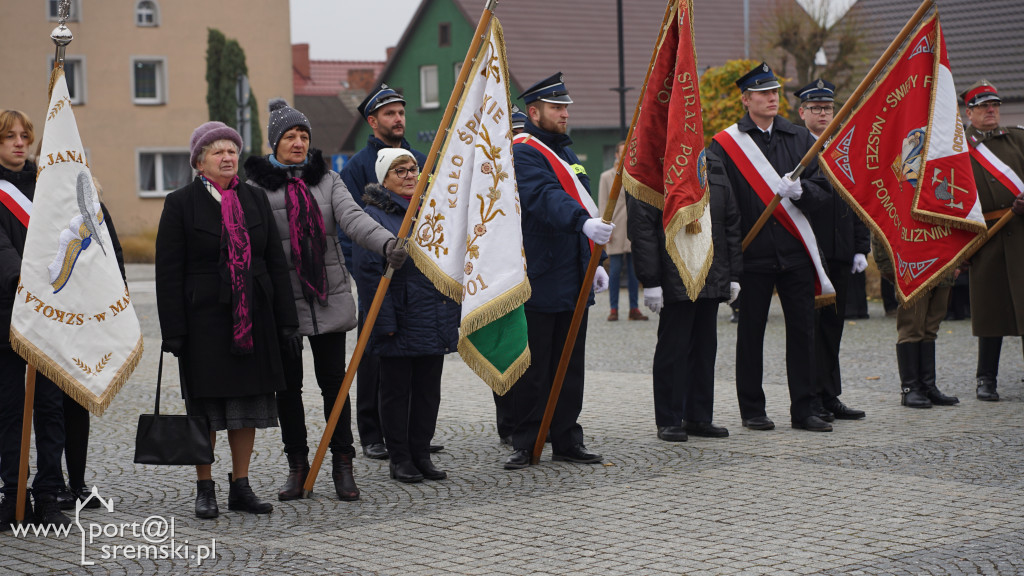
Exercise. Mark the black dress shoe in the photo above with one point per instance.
(842, 411)
(813, 424)
(987, 390)
(429, 471)
(242, 498)
(65, 499)
(405, 472)
(206, 499)
(81, 495)
(518, 459)
(759, 423)
(705, 430)
(434, 448)
(672, 433)
(577, 454)
(377, 451)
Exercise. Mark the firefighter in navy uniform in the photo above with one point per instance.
(776, 259)
(844, 242)
(997, 278)
(558, 228)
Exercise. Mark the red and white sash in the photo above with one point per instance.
(565, 173)
(15, 201)
(765, 181)
(998, 169)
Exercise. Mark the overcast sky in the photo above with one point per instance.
(350, 29)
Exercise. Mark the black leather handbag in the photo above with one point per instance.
(172, 440)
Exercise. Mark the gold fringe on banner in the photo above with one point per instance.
(694, 282)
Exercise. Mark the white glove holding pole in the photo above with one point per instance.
(734, 292)
(653, 299)
(598, 231)
(791, 188)
(860, 263)
(600, 280)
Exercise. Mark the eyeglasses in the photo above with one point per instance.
(403, 172)
(820, 109)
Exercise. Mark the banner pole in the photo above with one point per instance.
(595, 259)
(845, 111)
(403, 232)
(26, 441)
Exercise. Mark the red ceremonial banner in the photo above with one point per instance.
(665, 163)
(902, 162)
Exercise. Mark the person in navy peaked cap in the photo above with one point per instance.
(518, 120)
(558, 227)
(817, 105)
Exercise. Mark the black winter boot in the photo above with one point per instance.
(341, 473)
(908, 356)
(927, 373)
(47, 511)
(241, 497)
(206, 499)
(8, 511)
(298, 469)
(988, 367)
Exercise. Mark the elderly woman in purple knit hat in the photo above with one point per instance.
(226, 308)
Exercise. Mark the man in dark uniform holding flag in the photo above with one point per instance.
(997, 278)
(755, 152)
(844, 242)
(560, 227)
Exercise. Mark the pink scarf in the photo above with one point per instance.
(307, 239)
(236, 252)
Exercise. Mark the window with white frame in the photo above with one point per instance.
(162, 171)
(147, 13)
(53, 10)
(149, 80)
(74, 74)
(428, 86)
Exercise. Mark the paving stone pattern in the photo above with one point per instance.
(902, 492)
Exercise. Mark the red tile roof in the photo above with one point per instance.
(329, 77)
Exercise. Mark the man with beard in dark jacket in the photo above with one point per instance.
(17, 187)
(384, 111)
(765, 147)
(845, 242)
(684, 358)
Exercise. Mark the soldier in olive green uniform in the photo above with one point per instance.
(997, 277)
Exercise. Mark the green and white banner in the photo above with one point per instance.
(468, 238)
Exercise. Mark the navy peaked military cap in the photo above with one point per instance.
(380, 96)
(759, 79)
(817, 91)
(518, 118)
(981, 91)
(551, 89)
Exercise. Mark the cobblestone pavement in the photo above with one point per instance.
(937, 491)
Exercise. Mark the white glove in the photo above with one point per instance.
(734, 292)
(600, 280)
(860, 263)
(598, 231)
(653, 299)
(790, 188)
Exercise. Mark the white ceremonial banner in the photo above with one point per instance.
(73, 317)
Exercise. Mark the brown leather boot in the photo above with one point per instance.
(298, 469)
(341, 473)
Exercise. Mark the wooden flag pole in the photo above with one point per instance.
(26, 442)
(403, 232)
(595, 259)
(841, 116)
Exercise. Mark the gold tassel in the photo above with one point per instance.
(693, 227)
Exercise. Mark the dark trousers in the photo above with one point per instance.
(329, 368)
(796, 293)
(857, 296)
(47, 417)
(76, 443)
(504, 416)
(684, 362)
(828, 333)
(410, 396)
(368, 397)
(547, 334)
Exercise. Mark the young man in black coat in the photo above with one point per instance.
(776, 259)
(684, 358)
